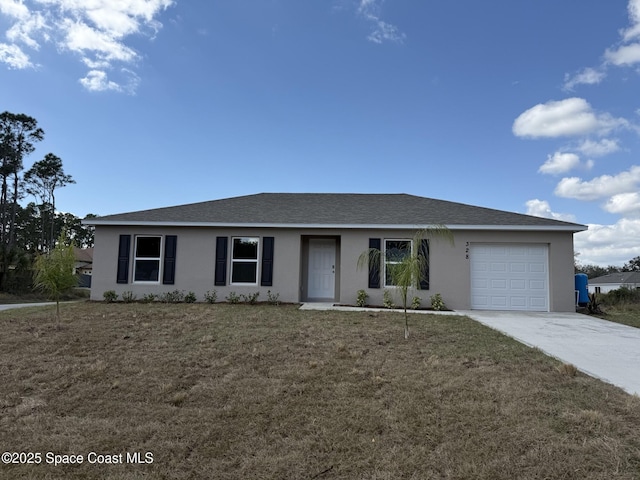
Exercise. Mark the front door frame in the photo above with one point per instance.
(304, 274)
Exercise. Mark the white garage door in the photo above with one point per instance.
(509, 276)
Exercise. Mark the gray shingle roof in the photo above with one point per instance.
(617, 278)
(335, 209)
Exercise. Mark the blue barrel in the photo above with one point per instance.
(582, 287)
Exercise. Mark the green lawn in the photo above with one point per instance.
(262, 392)
(627, 314)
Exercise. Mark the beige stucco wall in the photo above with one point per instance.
(449, 266)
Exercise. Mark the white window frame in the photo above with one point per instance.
(384, 256)
(136, 258)
(245, 260)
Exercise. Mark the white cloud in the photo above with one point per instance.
(609, 244)
(634, 16)
(588, 76)
(560, 163)
(14, 9)
(96, 30)
(382, 31)
(624, 56)
(97, 81)
(541, 208)
(625, 204)
(629, 52)
(569, 117)
(599, 148)
(600, 187)
(14, 57)
(81, 38)
(25, 30)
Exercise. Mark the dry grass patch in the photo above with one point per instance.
(627, 314)
(244, 392)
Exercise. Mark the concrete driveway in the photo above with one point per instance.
(605, 350)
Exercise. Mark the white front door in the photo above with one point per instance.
(322, 268)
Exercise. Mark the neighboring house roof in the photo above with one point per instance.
(83, 255)
(619, 278)
(84, 258)
(334, 210)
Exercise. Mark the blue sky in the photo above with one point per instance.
(524, 106)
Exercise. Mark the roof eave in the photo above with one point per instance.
(358, 226)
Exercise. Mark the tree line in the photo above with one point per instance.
(593, 271)
(30, 230)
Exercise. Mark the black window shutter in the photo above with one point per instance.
(220, 278)
(169, 270)
(266, 278)
(424, 252)
(374, 267)
(123, 259)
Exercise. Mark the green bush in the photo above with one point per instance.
(273, 298)
(110, 296)
(251, 298)
(620, 296)
(233, 297)
(387, 299)
(190, 297)
(361, 299)
(211, 296)
(415, 303)
(437, 303)
(175, 296)
(149, 297)
(128, 296)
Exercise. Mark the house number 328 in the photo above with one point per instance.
(466, 252)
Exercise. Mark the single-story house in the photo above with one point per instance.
(614, 281)
(305, 247)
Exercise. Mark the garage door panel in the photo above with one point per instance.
(539, 302)
(537, 268)
(498, 267)
(518, 267)
(518, 303)
(498, 284)
(509, 277)
(537, 285)
(497, 302)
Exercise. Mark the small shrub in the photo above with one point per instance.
(568, 369)
(128, 296)
(110, 296)
(387, 300)
(176, 296)
(437, 303)
(149, 297)
(211, 296)
(233, 297)
(361, 299)
(251, 299)
(594, 305)
(190, 297)
(621, 297)
(273, 298)
(415, 303)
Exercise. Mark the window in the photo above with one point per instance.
(147, 259)
(395, 251)
(244, 260)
